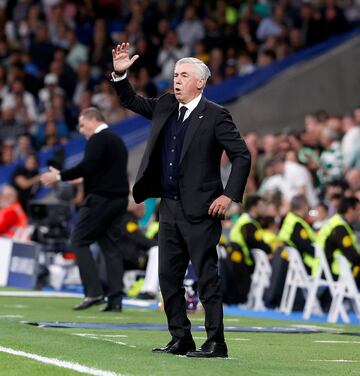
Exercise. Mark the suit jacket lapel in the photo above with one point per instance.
(159, 124)
(195, 121)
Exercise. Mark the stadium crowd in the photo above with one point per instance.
(55, 55)
(55, 59)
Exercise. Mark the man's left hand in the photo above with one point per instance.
(219, 206)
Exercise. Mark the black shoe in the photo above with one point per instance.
(210, 349)
(112, 308)
(114, 304)
(177, 347)
(89, 302)
(146, 296)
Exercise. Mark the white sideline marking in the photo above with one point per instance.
(11, 317)
(227, 339)
(335, 360)
(15, 306)
(40, 294)
(316, 327)
(60, 363)
(202, 319)
(358, 342)
(99, 337)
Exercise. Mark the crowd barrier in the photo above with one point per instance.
(19, 263)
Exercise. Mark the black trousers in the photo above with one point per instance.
(99, 221)
(179, 242)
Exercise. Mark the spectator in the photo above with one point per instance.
(26, 180)
(331, 162)
(83, 82)
(245, 64)
(23, 147)
(41, 49)
(191, 29)
(169, 54)
(265, 58)
(77, 52)
(7, 152)
(273, 25)
(334, 22)
(10, 127)
(352, 177)
(291, 179)
(268, 151)
(310, 24)
(50, 126)
(51, 87)
(99, 48)
(350, 145)
(12, 216)
(23, 101)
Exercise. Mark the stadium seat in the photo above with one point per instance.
(297, 277)
(260, 280)
(346, 288)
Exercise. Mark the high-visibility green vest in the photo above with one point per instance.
(271, 239)
(324, 233)
(287, 230)
(152, 230)
(237, 237)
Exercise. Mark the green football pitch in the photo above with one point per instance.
(31, 350)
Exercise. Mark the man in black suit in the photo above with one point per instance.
(181, 164)
(104, 173)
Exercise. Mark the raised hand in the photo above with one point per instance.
(121, 58)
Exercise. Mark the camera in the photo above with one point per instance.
(52, 224)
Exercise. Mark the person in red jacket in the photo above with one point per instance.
(12, 216)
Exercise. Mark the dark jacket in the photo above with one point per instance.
(211, 130)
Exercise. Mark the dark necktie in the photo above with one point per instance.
(183, 109)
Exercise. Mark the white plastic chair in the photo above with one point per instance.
(297, 278)
(346, 288)
(260, 280)
(323, 277)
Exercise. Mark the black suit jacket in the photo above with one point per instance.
(211, 130)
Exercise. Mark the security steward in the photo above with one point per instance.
(134, 242)
(297, 233)
(337, 237)
(237, 268)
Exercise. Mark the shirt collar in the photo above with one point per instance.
(101, 127)
(191, 105)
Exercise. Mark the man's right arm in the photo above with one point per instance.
(92, 156)
(130, 100)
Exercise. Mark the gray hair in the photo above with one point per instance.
(201, 67)
(92, 113)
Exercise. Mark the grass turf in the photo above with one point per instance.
(128, 352)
